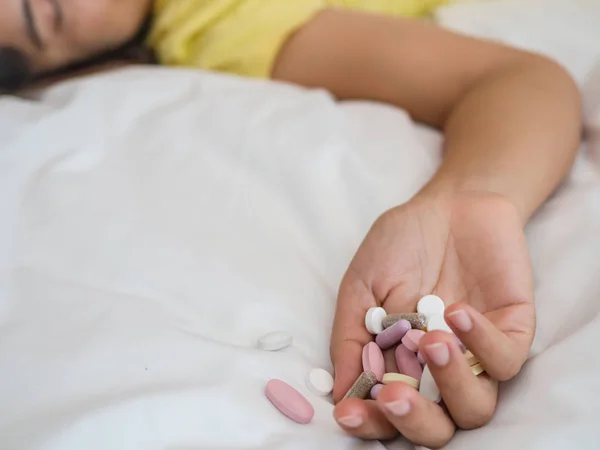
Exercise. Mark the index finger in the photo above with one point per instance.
(349, 334)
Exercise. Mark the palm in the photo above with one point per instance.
(467, 248)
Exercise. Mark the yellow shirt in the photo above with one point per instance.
(244, 36)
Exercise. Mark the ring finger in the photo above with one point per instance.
(470, 399)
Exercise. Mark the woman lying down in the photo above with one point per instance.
(511, 121)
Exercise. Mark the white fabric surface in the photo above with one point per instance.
(156, 222)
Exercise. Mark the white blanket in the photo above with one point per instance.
(155, 222)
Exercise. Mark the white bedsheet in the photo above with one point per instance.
(155, 222)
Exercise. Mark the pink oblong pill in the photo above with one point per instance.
(420, 358)
(375, 391)
(372, 360)
(407, 362)
(392, 335)
(411, 340)
(389, 359)
(289, 401)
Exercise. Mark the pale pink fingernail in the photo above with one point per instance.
(438, 353)
(398, 408)
(352, 421)
(461, 320)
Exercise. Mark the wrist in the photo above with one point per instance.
(444, 185)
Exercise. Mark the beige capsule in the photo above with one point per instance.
(398, 377)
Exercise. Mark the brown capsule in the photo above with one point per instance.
(417, 320)
(362, 386)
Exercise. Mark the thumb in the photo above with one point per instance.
(349, 334)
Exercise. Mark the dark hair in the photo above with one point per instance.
(14, 69)
(16, 72)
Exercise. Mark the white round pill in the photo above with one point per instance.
(374, 319)
(319, 382)
(428, 388)
(275, 340)
(437, 322)
(431, 305)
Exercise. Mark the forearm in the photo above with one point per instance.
(511, 119)
(515, 132)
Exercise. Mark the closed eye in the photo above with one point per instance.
(58, 15)
(30, 25)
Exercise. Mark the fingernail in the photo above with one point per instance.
(352, 421)
(438, 353)
(461, 320)
(398, 408)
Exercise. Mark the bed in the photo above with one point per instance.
(154, 222)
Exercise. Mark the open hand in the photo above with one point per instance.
(470, 250)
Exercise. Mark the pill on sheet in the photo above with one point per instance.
(431, 305)
(392, 335)
(418, 321)
(375, 391)
(428, 388)
(399, 378)
(362, 386)
(275, 340)
(289, 401)
(374, 319)
(411, 340)
(319, 382)
(407, 363)
(372, 360)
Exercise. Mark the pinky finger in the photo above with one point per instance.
(501, 353)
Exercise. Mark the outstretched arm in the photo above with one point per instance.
(512, 124)
(511, 119)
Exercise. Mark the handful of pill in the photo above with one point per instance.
(404, 332)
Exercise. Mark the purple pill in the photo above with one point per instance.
(420, 358)
(392, 335)
(375, 391)
(407, 362)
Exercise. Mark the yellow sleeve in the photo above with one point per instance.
(241, 37)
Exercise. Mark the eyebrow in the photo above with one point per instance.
(30, 25)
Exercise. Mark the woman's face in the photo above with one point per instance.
(55, 33)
